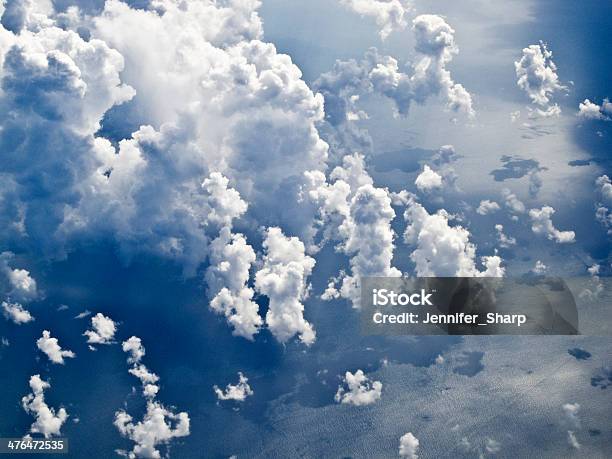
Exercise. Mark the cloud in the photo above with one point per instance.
(238, 392)
(158, 426)
(16, 313)
(390, 15)
(591, 111)
(537, 74)
(539, 268)
(443, 250)
(572, 440)
(409, 446)
(103, 330)
(487, 207)
(134, 346)
(541, 223)
(22, 286)
(48, 422)
(435, 47)
(428, 180)
(504, 240)
(359, 390)
(228, 106)
(358, 216)
(513, 203)
(52, 349)
(604, 188)
(283, 279)
(82, 315)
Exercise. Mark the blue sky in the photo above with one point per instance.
(214, 178)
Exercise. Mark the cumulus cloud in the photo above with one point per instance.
(159, 424)
(236, 392)
(358, 389)
(435, 46)
(103, 330)
(283, 278)
(409, 446)
(134, 347)
(487, 207)
(537, 74)
(206, 96)
(47, 422)
(158, 427)
(358, 216)
(539, 267)
(441, 249)
(504, 240)
(514, 204)
(390, 15)
(604, 187)
(571, 412)
(428, 180)
(22, 286)
(591, 111)
(16, 313)
(50, 346)
(541, 223)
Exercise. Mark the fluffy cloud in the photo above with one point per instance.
(237, 392)
(359, 216)
(513, 203)
(443, 250)
(16, 313)
(571, 412)
(503, 240)
(428, 180)
(537, 74)
(52, 349)
(487, 207)
(103, 330)
(158, 426)
(283, 279)
(390, 15)
(359, 390)
(435, 45)
(134, 347)
(604, 187)
(591, 111)
(539, 267)
(409, 446)
(541, 223)
(206, 96)
(231, 259)
(48, 422)
(21, 285)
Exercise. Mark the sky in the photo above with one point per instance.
(191, 191)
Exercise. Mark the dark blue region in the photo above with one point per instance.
(579, 354)
(189, 347)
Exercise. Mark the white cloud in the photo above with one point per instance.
(537, 74)
(541, 223)
(443, 250)
(16, 313)
(504, 240)
(359, 216)
(22, 285)
(591, 111)
(435, 46)
(103, 330)
(604, 188)
(48, 422)
(572, 440)
(571, 412)
(52, 349)
(236, 392)
(283, 279)
(158, 427)
(390, 15)
(134, 346)
(539, 268)
(428, 180)
(512, 202)
(82, 315)
(359, 390)
(487, 207)
(409, 446)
